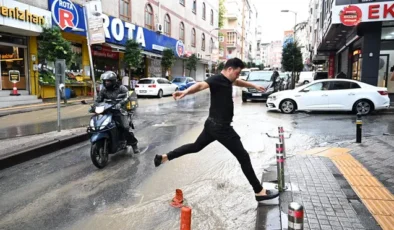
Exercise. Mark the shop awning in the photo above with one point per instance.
(151, 54)
(116, 48)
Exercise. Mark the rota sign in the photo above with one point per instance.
(351, 15)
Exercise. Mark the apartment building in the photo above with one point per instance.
(238, 35)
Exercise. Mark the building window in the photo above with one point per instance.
(204, 11)
(231, 38)
(203, 42)
(211, 46)
(211, 17)
(195, 6)
(193, 37)
(167, 25)
(182, 32)
(149, 17)
(124, 10)
(182, 2)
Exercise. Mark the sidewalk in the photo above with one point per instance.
(340, 188)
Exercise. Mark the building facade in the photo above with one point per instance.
(238, 35)
(274, 54)
(357, 39)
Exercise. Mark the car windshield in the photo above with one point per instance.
(244, 73)
(179, 80)
(260, 76)
(146, 81)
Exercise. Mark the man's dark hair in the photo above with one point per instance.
(234, 63)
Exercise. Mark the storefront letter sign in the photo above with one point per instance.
(351, 15)
(14, 76)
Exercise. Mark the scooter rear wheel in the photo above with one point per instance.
(99, 155)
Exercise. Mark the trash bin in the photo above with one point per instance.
(68, 93)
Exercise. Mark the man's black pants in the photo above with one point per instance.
(226, 135)
(123, 124)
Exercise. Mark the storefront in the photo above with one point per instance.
(362, 35)
(20, 24)
(109, 56)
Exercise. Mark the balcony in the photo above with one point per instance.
(231, 45)
(231, 16)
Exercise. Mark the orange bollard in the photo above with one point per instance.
(14, 90)
(177, 201)
(186, 218)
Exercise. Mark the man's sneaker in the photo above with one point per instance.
(136, 150)
(270, 195)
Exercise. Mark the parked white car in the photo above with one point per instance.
(305, 77)
(331, 95)
(155, 87)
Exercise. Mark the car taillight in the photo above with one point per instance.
(383, 93)
(152, 86)
(136, 86)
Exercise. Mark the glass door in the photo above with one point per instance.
(383, 70)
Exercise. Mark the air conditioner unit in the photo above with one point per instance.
(199, 55)
(159, 28)
(221, 39)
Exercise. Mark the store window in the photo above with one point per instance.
(12, 61)
(356, 68)
(104, 60)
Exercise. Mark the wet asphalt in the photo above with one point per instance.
(64, 190)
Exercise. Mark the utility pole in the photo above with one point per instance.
(243, 28)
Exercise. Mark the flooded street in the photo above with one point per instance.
(64, 190)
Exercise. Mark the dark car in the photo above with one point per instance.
(261, 78)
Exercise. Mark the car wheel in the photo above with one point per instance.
(306, 82)
(364, 107)
(244, 100)
(160, 94)
(288, 106)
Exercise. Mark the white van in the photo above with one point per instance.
(306, 77)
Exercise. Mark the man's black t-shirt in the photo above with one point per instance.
(222, 105)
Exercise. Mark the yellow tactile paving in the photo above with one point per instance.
(380, 207)
(368, 181)
(378, 200)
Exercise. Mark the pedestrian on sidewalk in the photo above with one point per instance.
(218, 125)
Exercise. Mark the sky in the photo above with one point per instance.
(273, 22)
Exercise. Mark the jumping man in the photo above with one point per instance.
(218, 125)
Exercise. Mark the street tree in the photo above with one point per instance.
(261, 66)
(220, 67)
(167, 61)
(222, 11)
(292, 59)
(191, 64)
(133, 56)
(52, 46)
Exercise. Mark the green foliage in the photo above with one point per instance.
(168, 60)
(220, 67)
(222, 11)
(52, 46)
(191, 63)
(261, 66)
(289, 51)
(46, 77)
(133, 55)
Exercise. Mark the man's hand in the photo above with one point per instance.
(179, 95)
(259, 88)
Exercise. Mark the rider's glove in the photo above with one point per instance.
(118, 106)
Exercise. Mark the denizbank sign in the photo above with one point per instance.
(22, 16)
(69, 17)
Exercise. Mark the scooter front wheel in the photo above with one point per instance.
(98, 154)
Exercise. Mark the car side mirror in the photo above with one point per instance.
(305, 90)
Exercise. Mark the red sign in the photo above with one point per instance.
(376, 11)
(331, 66)
(105, 54)
(351, 15)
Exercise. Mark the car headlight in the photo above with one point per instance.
(105, 123)
(270, 90)
(272, 98)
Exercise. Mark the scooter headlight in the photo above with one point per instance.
(105, 123)
(99, 109)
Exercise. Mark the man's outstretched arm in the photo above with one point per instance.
(200, 86)
(242, 83)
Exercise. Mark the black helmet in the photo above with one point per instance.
(109, 76)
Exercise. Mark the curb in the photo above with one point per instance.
(30, 153)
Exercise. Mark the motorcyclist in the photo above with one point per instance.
(111, 90)
(274, 78)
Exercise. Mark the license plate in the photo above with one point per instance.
(142, 91)
(257, 94)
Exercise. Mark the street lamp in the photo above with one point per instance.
(294, 40)
(211, 49)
